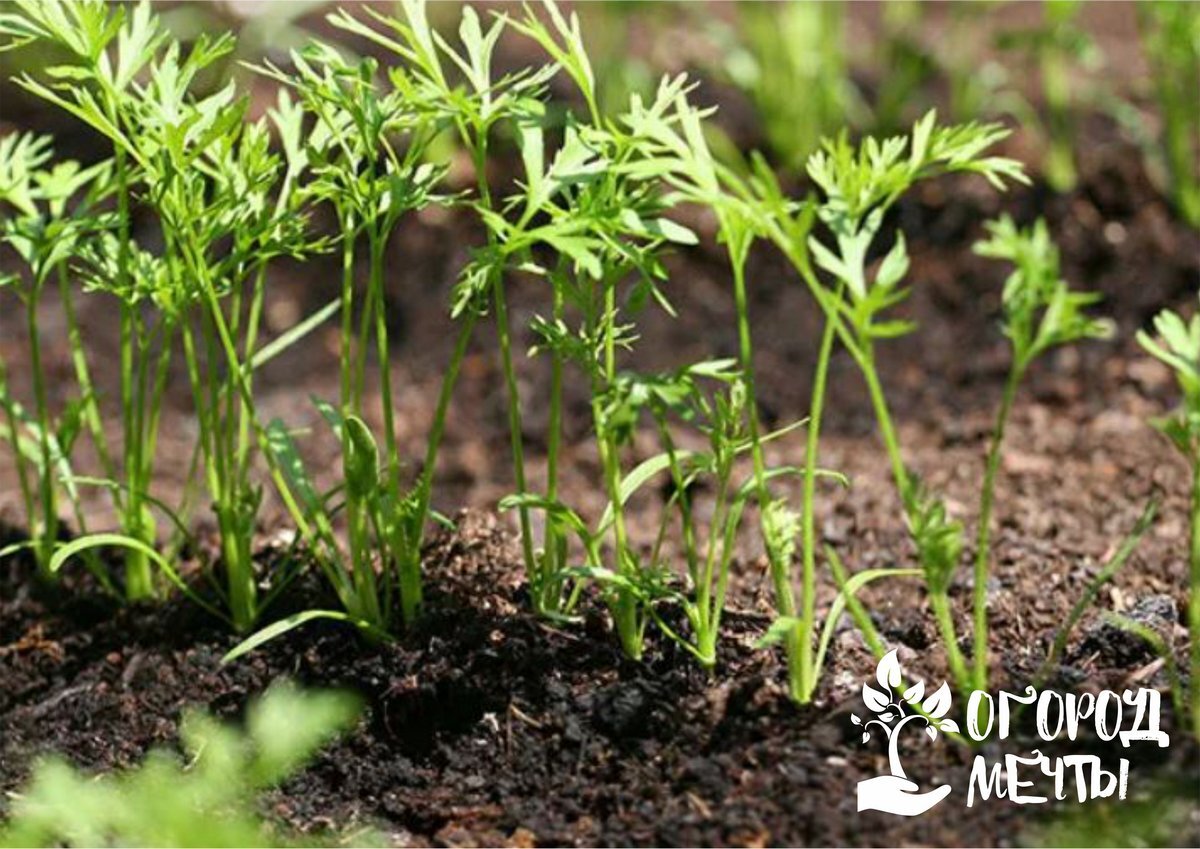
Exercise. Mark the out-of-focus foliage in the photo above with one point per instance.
(1156, 818)
(1171, 36)
(206, 799)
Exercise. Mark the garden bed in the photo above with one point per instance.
(486, 725)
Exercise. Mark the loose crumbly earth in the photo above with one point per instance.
(487, 726)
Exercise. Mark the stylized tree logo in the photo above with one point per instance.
(893, 710)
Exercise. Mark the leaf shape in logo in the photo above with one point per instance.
(938, 705)
(887, 673)
(866, 736)
(888, 716)
(874, 699)
(915, 693)
(931, 731)
(854, 718)
(948, 725)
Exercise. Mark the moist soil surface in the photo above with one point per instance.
(488, 726)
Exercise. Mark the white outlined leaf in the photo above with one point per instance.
(887, 673)
(887, 716)
(948, 725)
(866, 737)
(915, 693)
(938, 705)
(874, 699)
(854, 719)
(932, 732)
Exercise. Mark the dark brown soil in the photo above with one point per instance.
(489, 727)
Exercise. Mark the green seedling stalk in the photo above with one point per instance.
(865, 357)
(979, 644)
(46, 534)
(1092, 591)
(348, 354)
(1176, 343)
(504, 335)
(15, 428)
(939, 601)
(705, 638)
(245, 412)
(362, 601)
(83, 376)
(808, 614)
(547, 591)
(705, 612)
(796, 643)
(375, 295)
(377, 244)
(136, 521)
(235, 512)
(628, 623)
(712, 603)
(410, 572)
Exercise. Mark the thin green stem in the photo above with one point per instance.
(983, 541)
(15, 427)
(940, 604)
(378, 242)
(808, 515)
(626, 612)
(865, 357)
(503, 332)
(785, 601)
(347, 309)
(47, 533)
(139, 578)
(410, 567)
(397, 543)
(162, 372)
(709, 614)
(83, 376)
(253, 322)
(547, 592)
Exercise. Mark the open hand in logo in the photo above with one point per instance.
(895, 793)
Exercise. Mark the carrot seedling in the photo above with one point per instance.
(1040, 312)
(859, 186)
(1176, 342)
(50, 212)
(106, 49)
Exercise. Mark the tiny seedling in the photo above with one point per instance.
(1040, 313)
(1176, 342)
(859, 186)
